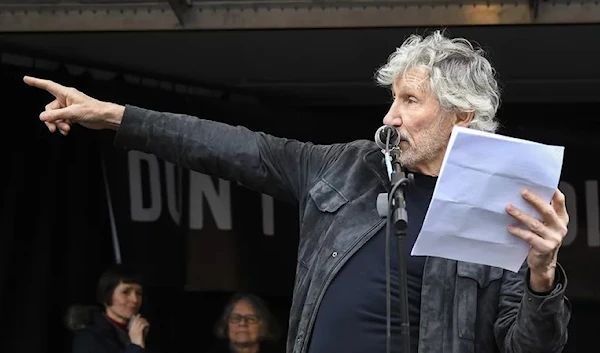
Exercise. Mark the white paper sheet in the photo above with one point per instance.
(481, 173)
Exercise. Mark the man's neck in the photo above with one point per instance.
(432, 168)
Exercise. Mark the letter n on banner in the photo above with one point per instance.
(211, 246)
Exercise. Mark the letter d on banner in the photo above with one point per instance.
(138, 211)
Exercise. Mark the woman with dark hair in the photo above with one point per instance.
(116, 326)
(246, 326)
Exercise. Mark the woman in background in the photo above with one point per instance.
(116, 326)
(246, 326)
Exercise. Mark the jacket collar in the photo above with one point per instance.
(374, 159)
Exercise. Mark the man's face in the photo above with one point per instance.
(423, 127)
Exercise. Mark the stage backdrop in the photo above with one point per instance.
(65, 197)
(183, 227)
(236, 238)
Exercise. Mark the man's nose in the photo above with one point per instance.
(392, 118)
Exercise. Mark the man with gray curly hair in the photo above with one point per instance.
(456, 79)
(339, 301)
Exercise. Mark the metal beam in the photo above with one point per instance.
(239, 14)
(181, 9)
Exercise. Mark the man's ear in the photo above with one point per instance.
(464, 119)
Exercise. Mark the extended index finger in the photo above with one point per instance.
(56, 89)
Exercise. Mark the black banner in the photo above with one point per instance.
(235, 238)
(232, 238)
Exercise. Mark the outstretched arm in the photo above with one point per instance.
(280, 167)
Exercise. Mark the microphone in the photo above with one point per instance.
(387, 139)
(387, 133)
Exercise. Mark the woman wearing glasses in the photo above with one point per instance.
(246, 326)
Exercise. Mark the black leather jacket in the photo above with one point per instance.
(465, 307)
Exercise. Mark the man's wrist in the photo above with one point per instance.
(542, 281)
(114, 115)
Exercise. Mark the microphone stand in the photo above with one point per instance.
(393, 206)
(398, 217)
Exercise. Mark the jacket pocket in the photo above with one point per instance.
(326, 197)
(322, 208)
(471, 278)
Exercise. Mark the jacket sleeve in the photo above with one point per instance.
(282, 168)
(86, 342)
(133, 348)
(529, 322)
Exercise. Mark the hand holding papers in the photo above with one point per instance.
(481, 173)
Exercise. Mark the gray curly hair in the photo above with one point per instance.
(460, 76)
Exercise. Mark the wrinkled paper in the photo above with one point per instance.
(481, 173)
